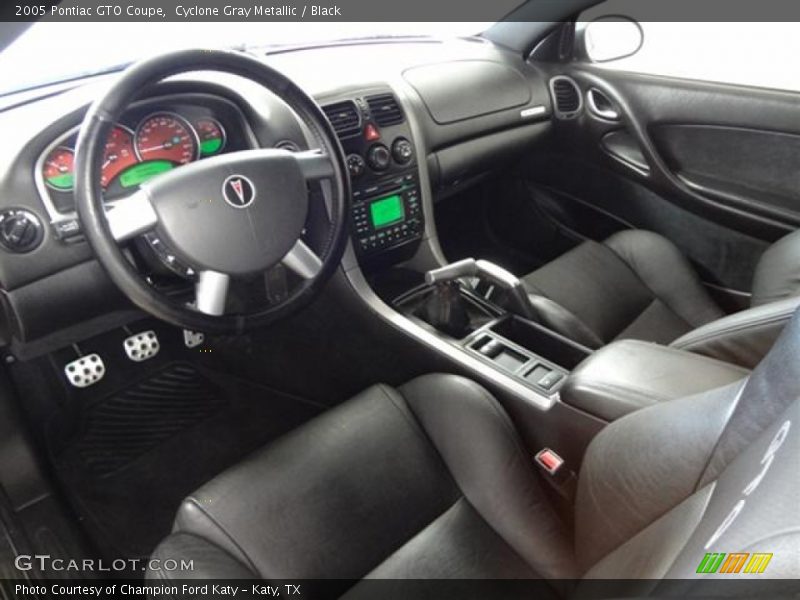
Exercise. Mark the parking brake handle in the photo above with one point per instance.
(494, 274)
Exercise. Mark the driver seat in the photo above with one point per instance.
(431, 481)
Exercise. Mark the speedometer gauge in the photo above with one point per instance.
(58, 169)
(164, 136)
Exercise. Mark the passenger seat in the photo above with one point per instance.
(638, 285)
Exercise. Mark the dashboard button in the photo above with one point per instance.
(402, 151)
(371, 133)
(379, 157)
(356, 166)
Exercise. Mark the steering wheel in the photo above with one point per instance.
(227, 216)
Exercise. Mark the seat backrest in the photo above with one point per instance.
(777, 275)
(711, 474)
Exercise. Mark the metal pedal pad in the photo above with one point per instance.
(85, 371)
(193, 339)
(141, 346)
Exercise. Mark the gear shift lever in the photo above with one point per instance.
(496, 275)
(446, 309)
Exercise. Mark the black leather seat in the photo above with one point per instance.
(638, 285)
(431, 480)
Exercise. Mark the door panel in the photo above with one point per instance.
(762, 166)
(714, 167)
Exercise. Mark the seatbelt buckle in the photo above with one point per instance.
(549, 461)
(560, 478)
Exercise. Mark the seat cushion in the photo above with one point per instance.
(635, 285)
(434, 468)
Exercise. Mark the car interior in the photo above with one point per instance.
(415, 308)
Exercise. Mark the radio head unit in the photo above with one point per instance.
(389, 215)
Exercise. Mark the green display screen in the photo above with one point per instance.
(61, 182)
(387, 211)
(143, 171)
(210, 146)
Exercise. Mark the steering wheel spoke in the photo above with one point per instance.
(314, 164)
(131, 216)
(211, 292)
(302, 260)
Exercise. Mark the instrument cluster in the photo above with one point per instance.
(148, 140)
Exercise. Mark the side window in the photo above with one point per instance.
(754, 54)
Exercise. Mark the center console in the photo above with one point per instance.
(536, 357)
(387, 216)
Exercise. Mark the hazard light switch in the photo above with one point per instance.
(371, 133)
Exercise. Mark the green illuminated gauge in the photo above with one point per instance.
(211, 134)
(141, 172)
(58, 169)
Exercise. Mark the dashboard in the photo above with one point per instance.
(409, 130)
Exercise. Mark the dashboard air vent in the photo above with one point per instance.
(566, 97)
(344, 117)
(385, 109)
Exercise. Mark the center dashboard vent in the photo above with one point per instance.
(345, 118)
(385, 109)
(567, 98)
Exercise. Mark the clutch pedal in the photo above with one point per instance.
(85, 371)
(141, 346)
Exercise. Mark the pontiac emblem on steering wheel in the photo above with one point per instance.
(238, 191)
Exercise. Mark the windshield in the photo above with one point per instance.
(52, 52)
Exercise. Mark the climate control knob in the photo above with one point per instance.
(356, 165)
(379, 157)
(402, 151)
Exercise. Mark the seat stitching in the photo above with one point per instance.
(632, 393)
(731, 411)
(418, 429)
(721, 332)
(224, 532)
(649, 289)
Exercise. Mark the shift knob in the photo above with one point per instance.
(446, 309)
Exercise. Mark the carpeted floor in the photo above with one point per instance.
(140, 450)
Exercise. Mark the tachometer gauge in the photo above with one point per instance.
(118, 154)
(164, 136)
(58, 169)
(211, 134)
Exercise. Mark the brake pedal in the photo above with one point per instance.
(141, 346)
(193, 339)
(85, 371)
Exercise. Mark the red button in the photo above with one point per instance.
(371, 133)
(549, 460)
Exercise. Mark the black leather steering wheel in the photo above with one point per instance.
(226, 216)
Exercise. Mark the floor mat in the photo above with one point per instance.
(141, 450)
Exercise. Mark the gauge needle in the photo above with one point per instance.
(151, 148)
(61, 168)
